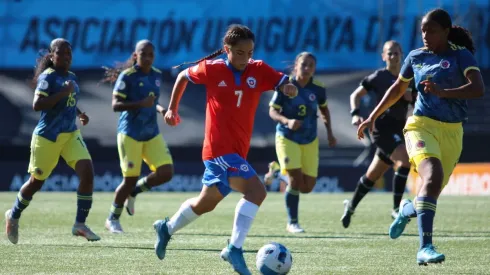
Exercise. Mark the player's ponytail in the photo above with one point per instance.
(207, 57)
(111, 74)
(461, 37)
(457, 35)
(234, 34)
(44, 60)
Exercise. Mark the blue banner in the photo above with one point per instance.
(345, 35)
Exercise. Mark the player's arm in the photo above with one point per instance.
(44, 99)
(473, 89)
(275, 108)
(120, 94)
(178, 91)
(396, 91)
(326, 119)
(355, 99)
(161, 109)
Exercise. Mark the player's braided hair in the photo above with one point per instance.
(44, 60)
(111, 74)
(457, 34)
(234, 34)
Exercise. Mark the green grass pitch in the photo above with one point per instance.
(462, 233)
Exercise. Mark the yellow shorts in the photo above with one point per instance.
(154, 152)
(425, 137)
(292, 155)
(46, 153)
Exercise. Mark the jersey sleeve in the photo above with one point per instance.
(277, 100)
(368, 82)
(197, 73)
(406, 72)
(121, 88)
(44, 85)
(271, 78)
(322, 98)
(467, 61)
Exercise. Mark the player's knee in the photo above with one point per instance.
(309, 183)
(85, 171)
(296, 179)
(203, 206)
(432, 174)
(34, 185)
(256, 192)
(165, 173)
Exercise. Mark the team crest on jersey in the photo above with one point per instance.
(157, 82)
(312, 97)
(244, 167)
(445, 64)
(252, 82)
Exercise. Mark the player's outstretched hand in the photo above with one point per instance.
(172, 118)
(368, 123)
(83, 118)
(433, 88)
(290, 90)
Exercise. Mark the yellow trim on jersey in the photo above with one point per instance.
(156, 70)
(119, 94)
(404, 79)
(324, 104)
(318, 83)
(70, 72)
(49, 71)
(129, 71)
(275, 106)
(469, 69)
(37, 92)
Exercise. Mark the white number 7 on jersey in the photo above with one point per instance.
(239, 94)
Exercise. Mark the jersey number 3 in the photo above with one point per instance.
(239, 101)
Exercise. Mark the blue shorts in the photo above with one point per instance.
(219, 169)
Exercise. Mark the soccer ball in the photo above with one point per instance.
(274, 258)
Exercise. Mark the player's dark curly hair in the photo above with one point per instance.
(457, 34)
(44, 60)
(234, 34)
(111, 74)
(301, 54)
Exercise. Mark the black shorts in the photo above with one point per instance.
(386, 142)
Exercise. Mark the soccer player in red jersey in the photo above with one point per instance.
(233, 87)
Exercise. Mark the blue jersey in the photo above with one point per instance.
(303, 107)
(133, 85)
(448, 70)
(62, 117)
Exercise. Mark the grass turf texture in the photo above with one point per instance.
(46, 246)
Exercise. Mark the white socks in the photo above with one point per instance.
(181, 218)
(245, 212)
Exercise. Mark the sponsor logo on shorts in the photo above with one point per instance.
(130, 165)
(420, 144)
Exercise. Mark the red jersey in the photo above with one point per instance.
(232, 98)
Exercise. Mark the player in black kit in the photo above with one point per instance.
(387, 134)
